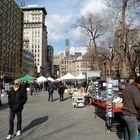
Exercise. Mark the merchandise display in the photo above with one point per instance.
(78, 99)
(108, 101)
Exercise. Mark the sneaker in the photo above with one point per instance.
(18, 133)
(9, 137)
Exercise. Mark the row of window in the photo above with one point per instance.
(31, 25)
(33, 12)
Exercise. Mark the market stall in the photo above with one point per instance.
(108, 103)
(78, 98)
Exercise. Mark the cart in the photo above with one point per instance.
(100, 107)
(78, 101)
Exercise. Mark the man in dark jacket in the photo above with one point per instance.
(17, 97)
(61, 90)
(131, 107)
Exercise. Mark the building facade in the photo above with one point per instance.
(65, 64)
(11, 39)
(56, 66)
(75, 65)
(50, 55)
(35, 34)
(28, 63)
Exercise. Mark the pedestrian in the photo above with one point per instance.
(31, 88)
(61, 90)
(50, 91)
(131, 107)
(17, 97)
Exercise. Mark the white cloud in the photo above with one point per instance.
(56, 25)
(55, 36)
(54, 22)
(75, 33)
(95, 6)
(59, 25)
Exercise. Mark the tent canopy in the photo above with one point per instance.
(68, 76)
(41, 79)
(27, 77)
(80, 76)
(50, 79)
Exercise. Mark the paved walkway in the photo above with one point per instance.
(56, 121)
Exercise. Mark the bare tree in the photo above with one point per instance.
(123, 7)
(106, 53)
(133, 49)
(92, 28)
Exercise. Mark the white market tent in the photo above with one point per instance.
(58, 79)
(41, 79)
(50, 79)
(68, 76)
(80, 76)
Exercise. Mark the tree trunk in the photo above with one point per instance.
(123, 70)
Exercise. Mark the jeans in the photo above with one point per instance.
(50, 96)
(11, 121)
(61, 96)
(131, 128)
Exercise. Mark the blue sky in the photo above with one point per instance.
(62, 14)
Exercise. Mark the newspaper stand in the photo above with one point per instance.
(78, 100)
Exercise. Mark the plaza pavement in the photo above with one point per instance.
(43, 120)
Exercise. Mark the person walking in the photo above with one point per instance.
(131, 107)
(17, 97)
(50, 92)
(31, 88)
(61, 90)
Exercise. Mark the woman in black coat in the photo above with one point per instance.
(61, 90)
(17, 97)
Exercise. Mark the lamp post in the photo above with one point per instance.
(137, 51)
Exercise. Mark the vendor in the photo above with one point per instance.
(131, 107)
(82, 89)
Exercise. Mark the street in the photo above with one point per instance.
(56, 121)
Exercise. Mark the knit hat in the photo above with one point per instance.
(137, 80)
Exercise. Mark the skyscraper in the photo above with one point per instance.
(11, 39)
(67, 46)
(36, 34)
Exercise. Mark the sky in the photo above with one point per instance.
(61, 15)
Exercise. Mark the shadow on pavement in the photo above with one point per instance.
(66, 98)
(55, 99)
(35, 122)
(4, 106)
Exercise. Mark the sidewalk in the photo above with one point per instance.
(56, 121)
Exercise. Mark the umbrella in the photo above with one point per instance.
(27, 77)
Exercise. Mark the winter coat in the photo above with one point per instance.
(61, 89)
(50, 88)
(17, 99)
(131, 100)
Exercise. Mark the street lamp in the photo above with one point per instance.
(137, 51)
